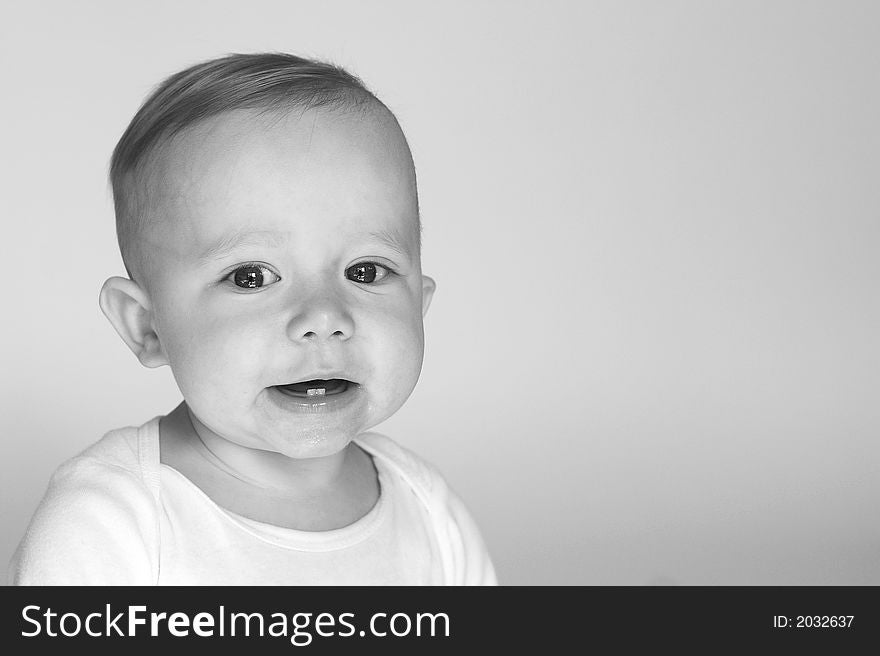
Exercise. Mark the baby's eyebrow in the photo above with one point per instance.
(242, 238)
(390, 238)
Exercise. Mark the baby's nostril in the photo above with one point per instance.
(312, 335)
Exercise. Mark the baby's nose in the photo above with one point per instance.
(320, 319)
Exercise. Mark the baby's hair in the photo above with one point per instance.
(270, 82)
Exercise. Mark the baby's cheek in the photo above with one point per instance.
(401, 347)
(234, 349)
(214, 353)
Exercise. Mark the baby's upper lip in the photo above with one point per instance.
(323, 374)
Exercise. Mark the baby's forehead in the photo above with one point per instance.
(286, 172)
(304, 142)
(368, 127)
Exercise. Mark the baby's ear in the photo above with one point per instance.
(129, 309)
(428, 287)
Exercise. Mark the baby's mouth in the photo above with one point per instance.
(317, 388)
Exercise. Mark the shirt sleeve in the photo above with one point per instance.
(471, 564)
(96, 525)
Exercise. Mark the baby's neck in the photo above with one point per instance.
(269, 470)
(309, 494)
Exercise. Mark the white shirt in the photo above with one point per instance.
(114, 515)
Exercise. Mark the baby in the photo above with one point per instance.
(267, 215)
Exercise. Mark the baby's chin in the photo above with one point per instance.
(312, 442)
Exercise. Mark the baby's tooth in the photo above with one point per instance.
(319, 391)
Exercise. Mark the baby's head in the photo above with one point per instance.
(268, 218)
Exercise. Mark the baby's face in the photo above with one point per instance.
(288, 252)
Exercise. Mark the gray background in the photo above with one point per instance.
(653, 356)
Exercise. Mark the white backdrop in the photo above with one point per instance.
(653, 355)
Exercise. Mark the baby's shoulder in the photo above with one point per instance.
(110, 472)
(417, 471)
(117, 448)
(466, 560)
(96, 522)
(121, 454)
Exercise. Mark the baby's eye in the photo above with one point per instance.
(366, 272)
(253, 276)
